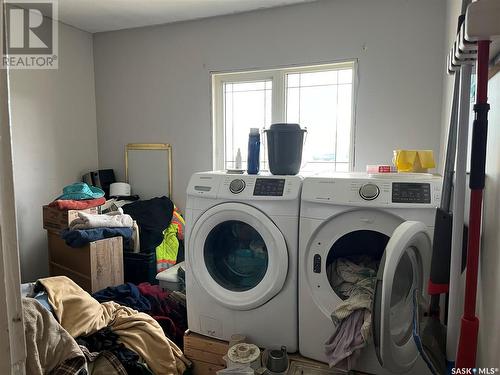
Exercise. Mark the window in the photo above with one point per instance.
(319, 98)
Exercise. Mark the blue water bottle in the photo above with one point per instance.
(253, 151)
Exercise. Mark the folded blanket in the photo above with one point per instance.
(115, 219)
(80, 314)
(79, 238)
(63, 204)
(51, 349)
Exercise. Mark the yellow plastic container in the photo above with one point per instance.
(415, 161)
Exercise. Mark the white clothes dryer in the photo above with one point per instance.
(241, 257)
(388, 217)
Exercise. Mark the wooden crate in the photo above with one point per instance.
(95, 266)
(205, 352)
(56, 220)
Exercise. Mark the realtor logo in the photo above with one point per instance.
(31, 32)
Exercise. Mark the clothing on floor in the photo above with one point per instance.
(153, 216)
(50, 347)
(166, 252)
(102, 363)
(81, 237)
(170, 314)
(80, 314)
(353, 279)
(106, 341)
(116, 219)
(69, 204)
(126, 294)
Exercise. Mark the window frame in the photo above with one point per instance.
(279, 90)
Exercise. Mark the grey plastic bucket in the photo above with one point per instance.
(284, 148)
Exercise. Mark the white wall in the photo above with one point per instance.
(54, 138)
(152, 84)
(453, 10)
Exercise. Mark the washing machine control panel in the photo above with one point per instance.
(411, 192)
(369, 192)
(269, 187)
(237, 185)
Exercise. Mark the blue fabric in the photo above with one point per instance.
(80, 191)
(126, 294)
(79, 238)
(43, 298)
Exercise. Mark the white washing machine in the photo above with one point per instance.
(390, 218)
(241, 258)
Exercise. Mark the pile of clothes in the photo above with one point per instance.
(353, 279)
(74, 333)
(92, 227)
(161, 230)
(167, 308)
(146, 226)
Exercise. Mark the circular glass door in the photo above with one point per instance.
(238, 255)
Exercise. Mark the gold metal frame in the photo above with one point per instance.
(152, 147)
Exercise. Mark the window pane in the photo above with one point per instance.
(345, 76)
(318, 78)
(292, 105)
(319, 102)
(246, 105)
(344, 123)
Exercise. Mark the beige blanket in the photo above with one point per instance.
(80, 314)
(50, 348)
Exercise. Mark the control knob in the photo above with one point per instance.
(237, 186)
(369, 192)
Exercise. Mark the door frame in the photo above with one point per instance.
(12, 344)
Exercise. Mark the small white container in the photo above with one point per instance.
(169, 279)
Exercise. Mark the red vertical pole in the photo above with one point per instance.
(467, 347)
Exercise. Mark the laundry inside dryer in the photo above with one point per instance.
(363, 248)
(352, 266)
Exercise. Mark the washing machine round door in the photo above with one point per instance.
(238, 255)
(402, 274)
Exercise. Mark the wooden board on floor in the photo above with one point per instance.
(205, 352)
(205, 368)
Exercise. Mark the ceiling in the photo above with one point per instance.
(106, 15)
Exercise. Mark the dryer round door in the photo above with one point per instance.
(238, 255)
(402, 271)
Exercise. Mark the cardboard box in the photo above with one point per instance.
(95, 266)
(205, 352)
(56, 220)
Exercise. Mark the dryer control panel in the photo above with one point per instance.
(366, 191)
